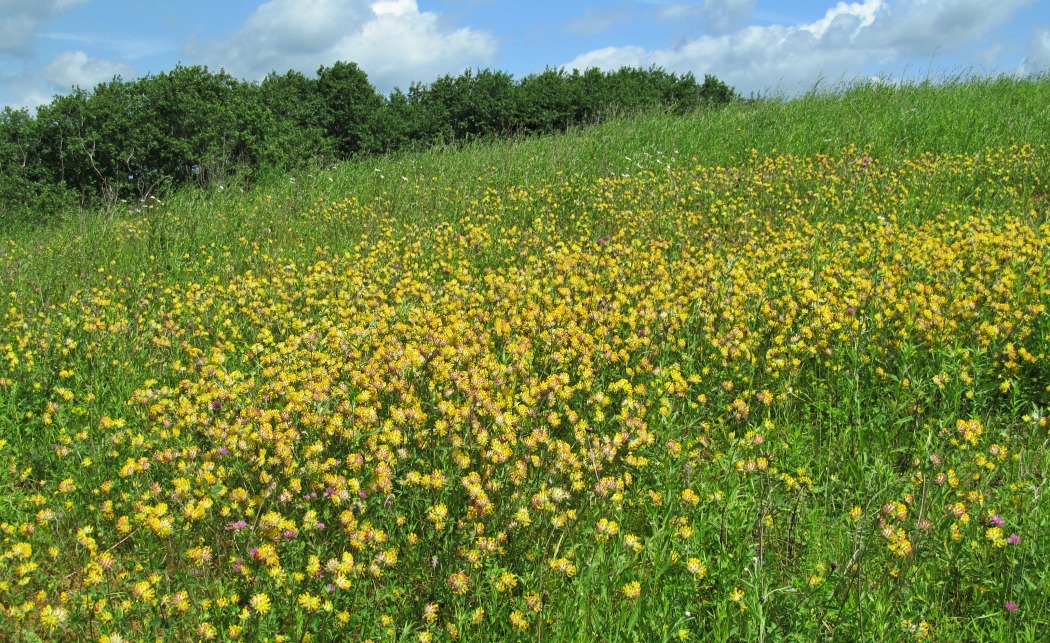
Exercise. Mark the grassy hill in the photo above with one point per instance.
(773, 372)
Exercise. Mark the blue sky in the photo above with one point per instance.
(49, 46)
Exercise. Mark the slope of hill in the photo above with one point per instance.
(777, 371)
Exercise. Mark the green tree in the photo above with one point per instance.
(715, 92)
(545, 104)
(295, 121)
(64, 143)
(351, 106)
(28, 192)
(198, 137)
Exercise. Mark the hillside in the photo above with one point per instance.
(776, 371)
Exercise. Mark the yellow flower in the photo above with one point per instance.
(430, 612)
(562, 565)
(260, 603)
(459, 583)
(143, 591)
(697, 568)
(632, 590)
(52, 617)
(606, 529)
(518, 620)
(309, 602)
(737, 596)
(506, 581)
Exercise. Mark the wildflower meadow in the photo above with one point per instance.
(507, 392)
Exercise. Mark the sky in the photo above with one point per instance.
(759, 47)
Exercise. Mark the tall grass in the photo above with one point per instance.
(889, 122)
(773, 372)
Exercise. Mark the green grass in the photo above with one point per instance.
(888, 122)
(772, 372)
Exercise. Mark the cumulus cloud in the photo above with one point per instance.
(714, 16)
(848, 39)
(392, 40)
(20, 20)
(920, 26)
(1037, 58)
(77, 69)
(20, 24)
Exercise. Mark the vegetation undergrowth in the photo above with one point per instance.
(772, 372)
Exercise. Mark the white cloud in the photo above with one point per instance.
(392, 40)
(920, 27)
(395, 7)
(1037, 59)
(715, 16)
(20, 24)
(77, 69)
(844, 43)
(15, 33)
(20, 19)
(851, 17)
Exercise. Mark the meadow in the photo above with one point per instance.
(774, 372)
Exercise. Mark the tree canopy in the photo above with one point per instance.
(133, 139)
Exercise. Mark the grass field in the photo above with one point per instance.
(776, 372)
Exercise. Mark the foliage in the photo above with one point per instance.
(567, 388)
(27, 190)
(130, 140)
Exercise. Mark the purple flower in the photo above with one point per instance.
(290, 533)
(1014, 539)
(236, 526)
(1010, 606)
(222, 451)
(997, 521)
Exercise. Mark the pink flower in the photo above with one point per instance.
(1014, 539)
(997, 521)
(1010, 606)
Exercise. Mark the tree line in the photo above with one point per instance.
(134, 139)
